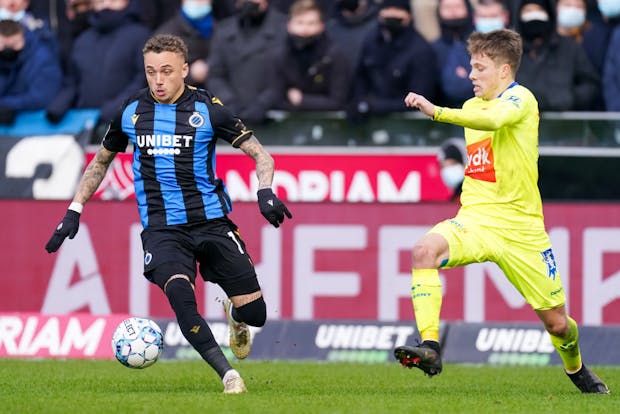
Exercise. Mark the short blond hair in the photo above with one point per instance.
(166, 43)
(501, 46)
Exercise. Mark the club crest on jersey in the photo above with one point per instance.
(196, 120)
(549, 260)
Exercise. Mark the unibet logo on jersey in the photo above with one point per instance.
(480, 162)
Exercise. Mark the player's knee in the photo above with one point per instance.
(557, 327)
(180, 294)
(253, 313)
(423, 257)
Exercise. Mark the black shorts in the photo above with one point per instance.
(215, 245)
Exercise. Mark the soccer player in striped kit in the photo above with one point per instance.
(183, 206)
(501, 218)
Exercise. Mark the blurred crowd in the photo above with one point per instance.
(357, 56)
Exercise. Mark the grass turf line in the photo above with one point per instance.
(78, 386)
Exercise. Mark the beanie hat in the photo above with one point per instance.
(454, 149)
(399, 4)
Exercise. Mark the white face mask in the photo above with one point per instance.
(196, 10)
(571, 17)
(534, 15)
(609, 8)
(488, 24)
(452, 175)
(5, 14)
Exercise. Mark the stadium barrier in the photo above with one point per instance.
(79, 336)
(579, 153)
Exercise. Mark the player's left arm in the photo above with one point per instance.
(264, 162)
(232, 129)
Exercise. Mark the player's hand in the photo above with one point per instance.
(271, 207)
(68, 227)
(413, 100)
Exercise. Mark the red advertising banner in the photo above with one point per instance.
(25, 335)
(331, 261)
(314, 177)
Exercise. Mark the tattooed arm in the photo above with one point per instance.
(264, 161)
(93, 175)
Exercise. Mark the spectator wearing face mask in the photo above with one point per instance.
(456, 23)
(312, 73)
(555, 68)
(352, 21)
(572, 22)
(193, 23)
(106, 63)
(241, 68)
(30, 72)
(491, 15)
(394, 58)
(452, 160)
(604, 16)
(611, 75)
(18, 11)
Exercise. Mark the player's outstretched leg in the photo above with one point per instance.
(425, 356)
(233, 383)
(239, 336)
(588, 382)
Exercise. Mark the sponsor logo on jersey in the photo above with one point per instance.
(134, 118)
(515, 100)
(480, 161)
(163, 143)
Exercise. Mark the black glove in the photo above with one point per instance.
(68, 227)
(271, 207)
(7, 115)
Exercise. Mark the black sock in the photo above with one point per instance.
(194, 328)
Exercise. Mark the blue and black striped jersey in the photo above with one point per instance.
(174, 155)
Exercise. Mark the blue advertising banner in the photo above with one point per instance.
(374, 342)
(526, 344)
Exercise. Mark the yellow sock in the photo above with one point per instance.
(568, 347)
(426, 297)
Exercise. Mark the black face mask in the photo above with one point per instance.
(9, 55)
(455, 25)
(80, 22)
(303, 42)
(350, 5)
(394, 25)
(107, 20)
(535, 29)
(249, 10)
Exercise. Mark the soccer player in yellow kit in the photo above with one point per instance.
(500, 219)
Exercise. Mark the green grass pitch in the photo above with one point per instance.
(51, 386)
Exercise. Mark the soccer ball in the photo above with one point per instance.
(137, 342)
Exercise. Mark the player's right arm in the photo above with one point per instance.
(93, 175)
(90, 181)
(509, 109)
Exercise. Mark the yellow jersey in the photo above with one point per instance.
(501, 175)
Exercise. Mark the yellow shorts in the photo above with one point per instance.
(524, 255)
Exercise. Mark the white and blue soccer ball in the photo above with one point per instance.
(137, 342)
